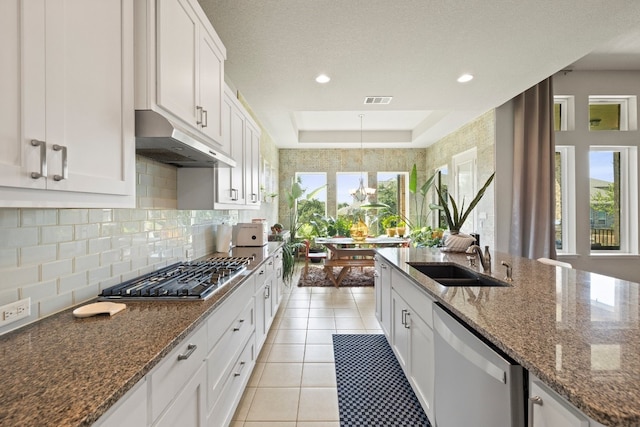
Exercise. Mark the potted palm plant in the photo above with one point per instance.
(456, 217)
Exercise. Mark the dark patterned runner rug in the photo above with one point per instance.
(372, 388)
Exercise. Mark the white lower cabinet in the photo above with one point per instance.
(382, 280)
(131, 410)
(187, 409)
(548, 409)
(412, 338)
(173, 376)
(266, 301)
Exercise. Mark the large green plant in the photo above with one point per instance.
(455, 216)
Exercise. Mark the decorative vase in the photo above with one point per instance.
(359, 231)
(400, 231)
(391, 232)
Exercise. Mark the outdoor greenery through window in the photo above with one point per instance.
(306, 208)
(605, 200)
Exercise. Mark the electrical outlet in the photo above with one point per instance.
(14, 311)
(189, 254)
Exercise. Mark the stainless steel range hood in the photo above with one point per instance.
(162, 140)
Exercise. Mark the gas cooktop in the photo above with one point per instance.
(188, 281)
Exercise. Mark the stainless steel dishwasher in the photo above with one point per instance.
(474, 384)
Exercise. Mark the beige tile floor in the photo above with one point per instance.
(294, 382)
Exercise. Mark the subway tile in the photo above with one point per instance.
(38, 254)
(87, 262)
(55, 304)
(72, 249)
(99, 245)
(72, 282)
(99, 274)
(73, 216)
(109, 229)
(38, 217)
(85, 293)
(120, 268)
(55, 269)
(9, 296)
(9, 217)
(109, 257)
(40, 290)
(86, 231)
(56, 234)
(17, 277)
(100, 215)
(18, 237)
(9, 257)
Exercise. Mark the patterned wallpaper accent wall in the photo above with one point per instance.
(479, 133)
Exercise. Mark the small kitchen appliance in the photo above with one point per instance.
(251, 234)
(186, 281)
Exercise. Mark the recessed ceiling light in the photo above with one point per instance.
(465, 78)
(323, 78)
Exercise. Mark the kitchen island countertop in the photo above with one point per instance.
(67, 371)
(579, 332)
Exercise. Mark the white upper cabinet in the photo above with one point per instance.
(66, 114)
(180, 67)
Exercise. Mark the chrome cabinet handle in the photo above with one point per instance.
(384, 266)
(267, 292)
(534, 400)
(406, 322)
(234, 194)
(204, 118)
(237, 328)
(404, 318)
(237, 374)
(43, 159)
(65, 168)
(198, 115)
(254, 198)
(190, 349)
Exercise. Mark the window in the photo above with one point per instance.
(464, 184)
(563, 113)
(613, 199)
(346, 183)
(312, 201)
(565, 200)
(392, 191)
(612, 113)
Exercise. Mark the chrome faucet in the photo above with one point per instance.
(484, 261)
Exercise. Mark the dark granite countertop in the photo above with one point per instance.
(67, 371)
(579, 332)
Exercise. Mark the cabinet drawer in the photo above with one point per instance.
(176, 369)
(224, 318)
(230, 390)
(223, 355)
(420, 302)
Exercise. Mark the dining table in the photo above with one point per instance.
(347, 253)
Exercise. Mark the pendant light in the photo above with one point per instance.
(362, 193)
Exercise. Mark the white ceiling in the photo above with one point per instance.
(413, 50)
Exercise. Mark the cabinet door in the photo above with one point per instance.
(74, 94)
(399, 328)
(230, 184)
(252, 164)
(130, 410)
(21, 35)
(421, 366)
(383, 295)
(551, 410)
(89, 96)
(211, 69)
(187, 410)
(177, 32)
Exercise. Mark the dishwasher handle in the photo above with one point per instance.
(467, 352)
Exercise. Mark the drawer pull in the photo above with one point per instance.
(237, 374)
(43, 159)
(535, 400)
(237, 328)
(267, 292)
(65, 167)
(190, 349)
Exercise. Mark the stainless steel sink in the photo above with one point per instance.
(455, 275)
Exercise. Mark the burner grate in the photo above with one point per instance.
(195, 280)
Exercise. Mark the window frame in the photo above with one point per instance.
(628, 200)
(628, 110)
(568, 195)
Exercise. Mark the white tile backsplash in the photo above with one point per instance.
(63, 257)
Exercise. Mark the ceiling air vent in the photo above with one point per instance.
(378, 99)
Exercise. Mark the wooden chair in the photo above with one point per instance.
(311, 255)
